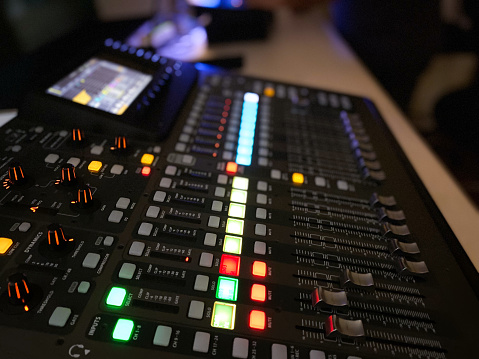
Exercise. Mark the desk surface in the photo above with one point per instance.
(306, 49)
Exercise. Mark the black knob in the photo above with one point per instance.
(68, 177)
(78, 138)
(19, 292)
(16, 176)
(56, 238)
(121, 144)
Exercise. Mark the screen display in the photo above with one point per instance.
(103, 85)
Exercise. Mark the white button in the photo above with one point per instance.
(227, 155)
(260, 229)
(260, 247)
(261, 213)
(59, 317)
(263, 161)
(196, 309)
(187, 159)
(279, 351)
(180, 147)
(184, 137)
(276, 174)
(261, 198)
(127, 271)
(24, 227)
(320, 181)
(91, 260)
(165, 182)
(96, 150)
(201, 283)
(63, 133)
(201, 343)
(123, 203)
(52, 158)
(157, 149)
(220, 192)
(162, 336)
(16, 148)
(159, 196)
(116, 169)
(115, 216)
(217, 206)
(74, 161)
(83, 287)
(153, 212)
(222, 179)
(317, 354)
(342, 185)
(229, 146)
(214, 222)
(171, 170)
(145, 229)
(188, 129)
(351, 357)
(263, 152)
(210, 239)
(206, 260)
(108, 241)
(262, 186)
(240, 348)
(136, 249)
(38, 129)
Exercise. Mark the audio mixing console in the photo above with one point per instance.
(150, 209)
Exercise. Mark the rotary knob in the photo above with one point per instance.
(121, 144)
(68, 176)
(16, 176)
(19, 292)
(56, 239)
(78, 138)
(84, 201)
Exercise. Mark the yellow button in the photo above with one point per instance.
(147, 159)
(298, 178)
(5, 244)
(95, 166)
(269, 91)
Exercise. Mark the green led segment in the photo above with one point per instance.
(237, 210)
(116, 297)
(240, 183)
(227, 288)
(238, 196)
(123, 329)
(224, 315)
(235, 226)
(232, 244)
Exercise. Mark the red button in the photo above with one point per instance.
(258, 292)
(145, 171)
(257, 319)
(230, 265)
(231, 168)
(259, 269)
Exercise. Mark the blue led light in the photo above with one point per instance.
(245, 141)
(245, 150)
(243, 160)
(108, 42)
(246, 133)
(140, 52)
(249, 116)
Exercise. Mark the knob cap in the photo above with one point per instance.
(121, 144)
(68, 177)
(16, 176)
(84, 197)
(56, 238)
(19, 292)
(78, 138)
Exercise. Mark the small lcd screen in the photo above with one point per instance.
(103, 85)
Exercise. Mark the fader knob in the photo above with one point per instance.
(68, 177)
(121, 144)
(56, 239)
(19, 292)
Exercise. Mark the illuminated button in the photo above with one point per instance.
(258, 292)
(232, 244)
(201, 283)
(231, 168)
(279, 351)
(210, 239)
(206, 260)
(117, 169)
(59, 317)
(260, 229)
(224, 315)
(201, 343)
(5, 244)
(123, 330)
(251, 97)
(227, 288)
(147, 159)
(260, 247)
(229, 265)
(162, 336)
(240, 183)
(257, 320)
(127, 271)
(196, 309)
(259, 269)
(237, 210)
(261, 213)
(95, 166)
(269, 91)
(238, 196)
(298, 178)
(235, 226)
(145, 171)
(116, 297)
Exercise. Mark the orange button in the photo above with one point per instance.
(5, 244)
(231, 168)
(257, 319)
(259, 269)
(258, 292)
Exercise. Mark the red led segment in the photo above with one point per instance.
(231, 168)
(230, 265)
(258, 292)
(257, 319)
(145, 171)
(259, 269)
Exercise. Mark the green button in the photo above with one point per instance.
(224, 315)
(227, 288)
(123, 329)
(232, 244)
(237, 210)
(116, 297)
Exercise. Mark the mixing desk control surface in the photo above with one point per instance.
(272, 222)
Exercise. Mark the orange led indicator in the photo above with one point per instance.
(259, 269)
(258, 292)
(145, 171)
(231, 168)
(257, 319)
(230, 265)
(298, 178)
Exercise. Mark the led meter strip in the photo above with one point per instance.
(249, 116)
